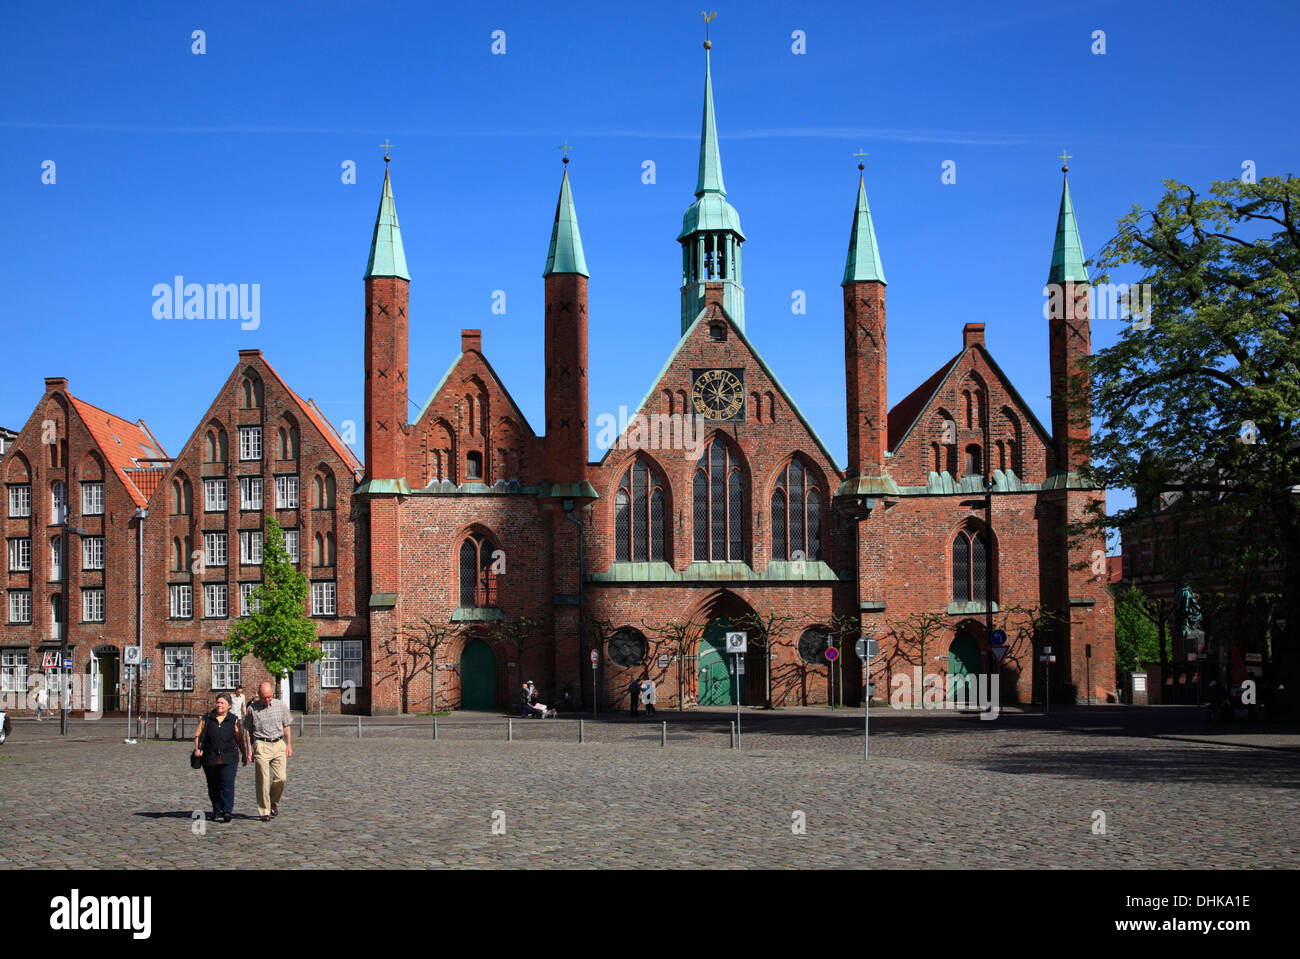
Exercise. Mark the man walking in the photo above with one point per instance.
(268, 728)
(238, 704)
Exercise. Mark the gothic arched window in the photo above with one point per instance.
(796, 514)
(718, 494)
(478, 586)
(970, 569)
(639, 516)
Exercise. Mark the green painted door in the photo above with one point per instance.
(964, 657)
(717, 685)
(478, 677)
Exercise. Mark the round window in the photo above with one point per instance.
(628, 647)
(813, 643)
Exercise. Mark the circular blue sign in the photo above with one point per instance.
(999, 637)
(832, 653)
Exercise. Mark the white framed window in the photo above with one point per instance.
(247, 604)
(178, 668)
(250, 442)
(214, 600)
(182, 601)
(342, 663)
(20, 500)
(291, 545)
(92, 605)
(13, 671)
(92, 498)
(58, 503)
(250, 492)
(92, 552)
(250, 547)
(20, 605)
(214, 495)
(323, 598)
(286, 492)
(214, 549)
(56, 559)
(225, 671)
(20, 555)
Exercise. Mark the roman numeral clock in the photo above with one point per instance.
(719, 395)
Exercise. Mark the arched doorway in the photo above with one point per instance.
(478, 676)
(964, 656)
(717, 685)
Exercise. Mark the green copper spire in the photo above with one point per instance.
(387, 258)
(710, 179)
(565, 254)
(863, 263)
(1067, 254)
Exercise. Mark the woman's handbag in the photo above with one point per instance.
(196, 762)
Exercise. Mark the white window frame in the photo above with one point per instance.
(214, 548)
(214, 496)
(58, 503)
(92, 604)
(13, 670)
(291, 543)
(20, 606)
(92, 498)
(216, 600)
(342, 663)
(92, 552)
(225, 671)
(181, 601)
(20, 554)
(56, 560)
(324, 598)
(248, 555)
(20, 500)
(250, 443)
(286, 492)
(178, 669)
(248, 485)
(247, 607)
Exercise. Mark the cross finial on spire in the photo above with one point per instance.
(707, 17)
(860, 154)
(1065, 166)
(566, 148)
(387, 146)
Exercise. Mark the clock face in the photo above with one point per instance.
(719, 394)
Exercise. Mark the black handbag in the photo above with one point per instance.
(196, 762)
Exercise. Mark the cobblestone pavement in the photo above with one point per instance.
(939, 791)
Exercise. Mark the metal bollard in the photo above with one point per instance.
(157, 728)
(435, 728)
(173, 727)
(581, 732)
(358, 726)
(510, 730)
(733, 734)
(663, 735)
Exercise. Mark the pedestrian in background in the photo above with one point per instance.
(633, 694)
(648, 695)
(42, 703)
(239, 703)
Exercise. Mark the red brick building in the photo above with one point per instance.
(715, 502)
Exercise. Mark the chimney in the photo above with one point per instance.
(56, 383)
(250, 353)
(972, 334)
(471, 340)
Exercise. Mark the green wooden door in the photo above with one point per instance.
(717, 685)
(964, 658)
(478, 677)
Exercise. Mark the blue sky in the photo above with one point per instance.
(225, 167)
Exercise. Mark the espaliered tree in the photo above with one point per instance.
(1200, 395)
(767, 631)
(421, 642)
(677, 634)
(279, 633)
(516, 630)
(845, 628)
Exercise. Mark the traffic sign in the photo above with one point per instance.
(131, 655)
(147, 664)
(1047, 659)
(740, 667)
(867, 649)
(832, 653)
(999, 637)
(1047, 650)
(999, 652)
(67, 664)
(737, 642)
(595, 658)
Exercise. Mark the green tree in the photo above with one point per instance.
(1199, 400)
(279, 633)
(1137, 630)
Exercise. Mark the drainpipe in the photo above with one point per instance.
(140, 515)
(568, 506)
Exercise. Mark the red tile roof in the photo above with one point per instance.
(313, 413)
(906, 410)
(124, 445)
(147, 480)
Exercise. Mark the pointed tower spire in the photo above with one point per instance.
(711, 236)
(565, 254)
(863, 263)
(387, 258)
(1067, 254)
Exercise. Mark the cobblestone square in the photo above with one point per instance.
(940, 791)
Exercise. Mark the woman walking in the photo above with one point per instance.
(218, 741)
